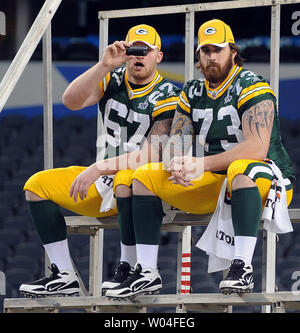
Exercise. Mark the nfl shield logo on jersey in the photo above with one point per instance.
(143, 106)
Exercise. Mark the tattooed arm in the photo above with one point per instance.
(154, 144)
(181, 137)
(150, 152)
(257, 123)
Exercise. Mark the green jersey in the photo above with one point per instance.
(216, 114)
(128, 114)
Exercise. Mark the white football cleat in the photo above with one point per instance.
(239, 278)
(64, 283)
(142, 281)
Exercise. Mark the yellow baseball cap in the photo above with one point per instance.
(214, 32)
(146, 34)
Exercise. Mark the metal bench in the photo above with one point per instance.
(183, 300)
(279, 302)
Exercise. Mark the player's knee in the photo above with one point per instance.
(123, 191)
(241, 181)
(140, 177)
(30, 196)
(236, 177)
(140, 189)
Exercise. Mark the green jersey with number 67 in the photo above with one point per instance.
(217, 113)
(128, 114)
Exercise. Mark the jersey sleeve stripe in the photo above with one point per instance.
(101, 88)
(183, 97)
(170, 106)
(184, 107)
(166, 101)
(256, 86)
(164, 109)
(103, 84)
(183, 102)
(255, 93)
(259, 84)
(167, 106)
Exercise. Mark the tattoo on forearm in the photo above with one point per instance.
(161, 127)
(182, 125)
(182, 133)
(159, 135)
(258, 117)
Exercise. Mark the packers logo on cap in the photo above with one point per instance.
(141, 32)
(210, 31)
(146, 34)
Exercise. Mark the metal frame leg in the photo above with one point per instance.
(96, 263)
(268, 265)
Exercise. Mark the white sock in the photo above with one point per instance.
(244, 247)
(147, 255)
(58, 253)
(128, 254)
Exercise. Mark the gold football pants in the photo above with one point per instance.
(202, 197)
(55, 184)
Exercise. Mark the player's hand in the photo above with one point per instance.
(184, 169)
(115, 54)
(176, 168)
(83, 181)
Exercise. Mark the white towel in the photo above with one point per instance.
(275, 215)
(104, 185)
(218, 239)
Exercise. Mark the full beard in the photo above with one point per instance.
(214, 73)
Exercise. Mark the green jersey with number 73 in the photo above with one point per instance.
(217, 113)
(128, 114)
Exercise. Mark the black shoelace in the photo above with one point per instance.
(54, 271)
(235, 270)
(121, 270)
(134, 276)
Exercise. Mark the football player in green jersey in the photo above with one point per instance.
(136, 105)
(232, 113)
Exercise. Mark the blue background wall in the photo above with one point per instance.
(289, 90)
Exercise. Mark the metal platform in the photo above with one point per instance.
(279, 302)
(92, 302)
(89, 225)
